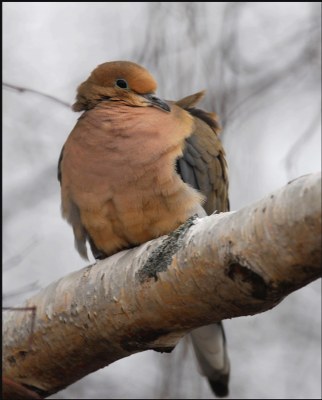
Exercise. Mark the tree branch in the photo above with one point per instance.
(21, 89)
(217, 267)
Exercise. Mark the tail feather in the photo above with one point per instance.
(209, 343)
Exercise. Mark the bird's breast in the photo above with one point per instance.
(118, 168)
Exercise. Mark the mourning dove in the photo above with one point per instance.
(134, 168)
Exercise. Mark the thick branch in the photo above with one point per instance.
(217, 267)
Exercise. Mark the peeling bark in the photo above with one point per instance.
(217, 267)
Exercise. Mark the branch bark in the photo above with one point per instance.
(209, 269)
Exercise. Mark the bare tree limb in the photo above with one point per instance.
(24, 89)
(217, 267)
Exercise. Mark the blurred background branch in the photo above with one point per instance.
(23, 90)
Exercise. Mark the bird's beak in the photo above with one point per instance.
(156, 102)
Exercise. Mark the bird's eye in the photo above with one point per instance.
(121, 83)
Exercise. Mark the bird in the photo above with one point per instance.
(134, 168)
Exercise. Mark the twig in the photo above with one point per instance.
(23, 89)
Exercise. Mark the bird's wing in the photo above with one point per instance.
(203, 166)
(71, 212)
(59, 165)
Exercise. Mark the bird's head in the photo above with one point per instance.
(121, 81)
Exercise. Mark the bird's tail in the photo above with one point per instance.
(209, 343)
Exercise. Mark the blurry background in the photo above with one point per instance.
(261, 66)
